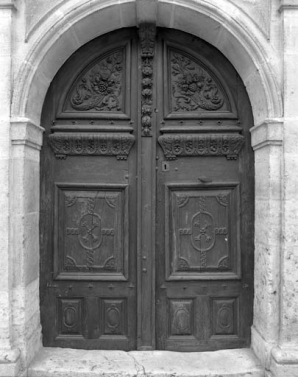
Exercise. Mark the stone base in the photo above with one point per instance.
(63, 362)
(9, 363)
(284, 362)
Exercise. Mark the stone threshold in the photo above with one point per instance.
(64, 362)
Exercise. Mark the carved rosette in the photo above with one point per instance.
(87, 144)
(201, 145)
(147, 38)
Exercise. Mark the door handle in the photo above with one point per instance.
(205, 179)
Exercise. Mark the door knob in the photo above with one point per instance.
(205, 179)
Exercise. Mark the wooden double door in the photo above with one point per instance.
(146, 224)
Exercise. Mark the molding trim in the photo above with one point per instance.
(285, 355)
(25, 132)
(270, 132)
(288, 5)
(6, 4)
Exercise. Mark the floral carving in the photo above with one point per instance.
(147, 39)
(85, 144)
(183, 264)
(192, 87)
(201, 145)
(224, 263)
(100, 88)
(182, 199)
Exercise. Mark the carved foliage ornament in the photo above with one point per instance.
(100, 89)
(201, 145)
(86, 144)
(147, 39)
(193, 89)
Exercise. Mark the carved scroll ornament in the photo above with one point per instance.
(193, 89)
(87, 144)
(147, 39)
(201, 145)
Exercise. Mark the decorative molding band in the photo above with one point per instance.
(147, 32)
(201, 145)
(88, 144)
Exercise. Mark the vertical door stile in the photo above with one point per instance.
(147, 188)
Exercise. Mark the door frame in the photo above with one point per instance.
(26, 133)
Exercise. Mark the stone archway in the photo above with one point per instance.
(65, 32)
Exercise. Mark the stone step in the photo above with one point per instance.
(64, 362)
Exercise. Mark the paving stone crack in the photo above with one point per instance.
(139, 368)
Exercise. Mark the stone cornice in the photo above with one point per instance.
(288, 5)
(25, 132)
(6, 4)
(267, 133)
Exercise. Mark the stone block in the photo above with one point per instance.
(9, 369)
(109, 18)
(5, 277)
(26, 248)
(268, 173)
(267, 290)
(60, 362)
(290, 85)
(284, 361)
(5, 31)
(267, 221)
(25, 186)
(5, 85)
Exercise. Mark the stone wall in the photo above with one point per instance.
(260, 38)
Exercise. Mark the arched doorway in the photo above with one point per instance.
(147, 197)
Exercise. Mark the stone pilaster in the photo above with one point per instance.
(9, 356)
(267, 144)
(284, 360)
(26, 139)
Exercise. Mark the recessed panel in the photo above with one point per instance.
(181, 317)
(91, 232)
(70, 321)
(202, 232)
(101, 89)
(193, 88)
(224, 316)
(113, 317)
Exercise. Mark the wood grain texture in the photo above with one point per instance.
(152, 249)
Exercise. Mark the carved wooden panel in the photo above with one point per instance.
(91, 231)
(100, 89)
(193, 89)
(224, 316)
(202, 232)
(228, 145)
(114, 319)
(181, 317)
(91, 144)
(70, 316)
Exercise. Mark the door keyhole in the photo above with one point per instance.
(165, 166)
